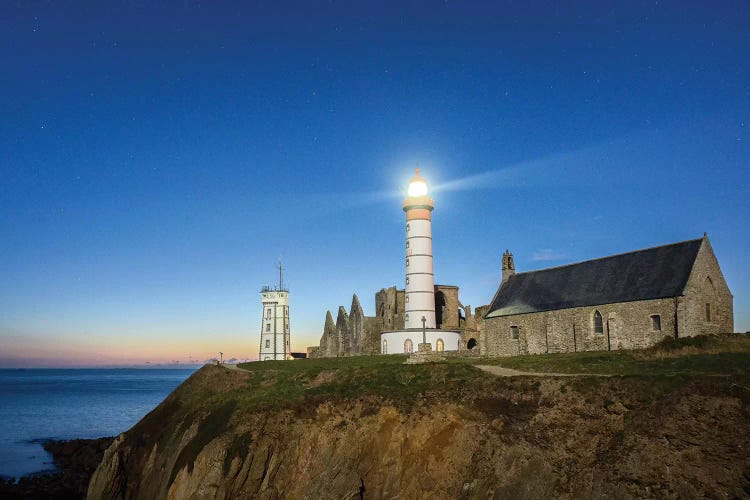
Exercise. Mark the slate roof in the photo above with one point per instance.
(651, 273)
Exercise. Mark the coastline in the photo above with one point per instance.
(74, 460)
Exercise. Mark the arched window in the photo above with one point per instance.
(385, 346)
(598, 324)
(471, 344)
(440, 345)
(407, 228)
(408, 346)
(407, 262)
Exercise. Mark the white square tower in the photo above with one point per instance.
(274, 327)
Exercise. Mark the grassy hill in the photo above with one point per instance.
(668, 422)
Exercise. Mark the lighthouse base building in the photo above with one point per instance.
(407, 341)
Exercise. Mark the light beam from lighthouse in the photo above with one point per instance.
(420, 278)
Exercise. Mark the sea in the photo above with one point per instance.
(41, 404)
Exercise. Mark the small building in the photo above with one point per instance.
(626, 301)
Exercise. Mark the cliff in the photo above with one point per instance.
(372, 427)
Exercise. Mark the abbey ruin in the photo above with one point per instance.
(353, 333)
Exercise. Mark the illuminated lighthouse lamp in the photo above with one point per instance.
(419, 292)
(417, 187)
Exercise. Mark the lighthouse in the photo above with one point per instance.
(420, 278)
(420, 326)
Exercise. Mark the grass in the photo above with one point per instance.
(278, 383)
(714, 355)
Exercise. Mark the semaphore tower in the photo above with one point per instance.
(274, 328)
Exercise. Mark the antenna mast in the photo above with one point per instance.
(280, 267)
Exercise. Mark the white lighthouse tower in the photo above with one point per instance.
(419, 294)
(420, 279)
(274, 328)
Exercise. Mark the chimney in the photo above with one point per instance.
(509, 268)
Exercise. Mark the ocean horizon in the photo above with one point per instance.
(40, 404)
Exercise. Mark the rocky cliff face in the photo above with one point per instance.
(440, 431)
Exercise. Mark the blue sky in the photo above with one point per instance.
(155, 161)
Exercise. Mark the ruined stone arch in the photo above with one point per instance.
(471, 344)
(439, 308)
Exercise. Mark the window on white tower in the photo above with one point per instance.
(268, 314)
(407, 262)
(268, 344)
(268, 327)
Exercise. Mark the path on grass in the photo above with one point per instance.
(232, 367)
(509, 372)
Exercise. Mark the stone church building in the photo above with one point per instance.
(354, 334)
(624, 301)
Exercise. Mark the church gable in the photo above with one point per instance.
(708, 300)
(651, 273)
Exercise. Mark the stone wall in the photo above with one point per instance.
(449, 312)
(706, 285)
(627, 325)
(389, 308)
